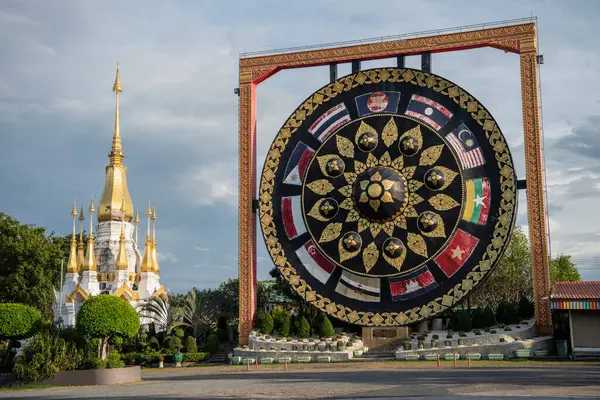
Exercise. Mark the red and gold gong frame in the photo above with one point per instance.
(519, 39)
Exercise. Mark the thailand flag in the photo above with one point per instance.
(359, 287)
(291, 209)
(297, 163)
(412, 285)
(466, 147)
(457, 252)
(314, 262)
(331, 120)
(428, 111)
(378, 102)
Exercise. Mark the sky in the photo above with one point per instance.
(179, 115)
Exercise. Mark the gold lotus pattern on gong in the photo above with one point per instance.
(379, 194)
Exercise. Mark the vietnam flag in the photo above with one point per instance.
(457, 252)
(477, 206)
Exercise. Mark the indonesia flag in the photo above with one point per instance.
(296, 166)
(332, 119)
(314, 262)
(293, 223)
(457, 252)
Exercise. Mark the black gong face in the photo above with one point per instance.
(387, 196)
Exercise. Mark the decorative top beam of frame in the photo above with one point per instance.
(518, 39)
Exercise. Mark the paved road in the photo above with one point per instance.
(350, 381)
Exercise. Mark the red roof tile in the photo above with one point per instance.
(584, 290)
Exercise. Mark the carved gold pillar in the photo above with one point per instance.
(536, 201)
(247, 192)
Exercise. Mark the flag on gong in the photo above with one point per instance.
(428, 111)
(457, 252)
(331, 120)
(296, 166)
(314, 262)
(378, 102)
(359, 287)
(477, 205)
(466, 146)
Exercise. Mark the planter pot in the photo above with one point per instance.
(177, 364)
(131, 362)
(109, 376)
(431, 357)
(450, 357)
(540, 353)
(495, 357)
(523, 353)
(475, 356)
(365, 350)
(303, 359)
(358, 353)
(283, 360)
(266, 360)
(178, 357)
(323, 359)
(249, 360)
(412, 357)
(161, 364)
(236, 360)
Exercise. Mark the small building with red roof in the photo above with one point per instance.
(576, 307)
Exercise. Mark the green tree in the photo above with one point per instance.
(526, 308)
(196, 312)
(190, 345)
(29, 264)
(511, 278)
(562, 269)
(159, 312)
(511, 315)
(489, 319)
(104, 317)
(303, 328)
(325, 327)
(212, 344)
(18, 320)
(281, 321)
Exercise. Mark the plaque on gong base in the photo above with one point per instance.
(384, 338)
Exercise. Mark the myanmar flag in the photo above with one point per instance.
(477, 206)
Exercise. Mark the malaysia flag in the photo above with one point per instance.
(466, 147)
(331, 120)
(415, 284)
(359, 287)
(314, 262)
(378, 102)
(291, 210)
(457, 252)
(297, 163)
(428, 111)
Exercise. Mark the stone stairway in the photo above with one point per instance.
(376, 356)
(221, 357)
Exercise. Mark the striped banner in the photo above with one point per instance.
(576, 305)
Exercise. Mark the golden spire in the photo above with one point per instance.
(89, 263)
(72, 262)
(137, 227)
(80, 254)
(147, 259)
(115, 186)
(154, 256)
(122, 264)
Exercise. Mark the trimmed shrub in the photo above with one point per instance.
(407, 345)
(421, 344)
(114, 360)
(500, 313)
(18, 320)
(172, 344)
(44, 356)
(478, 318)
(326, 328)
(465, 323)
(260, 320)
(493, 332)
(267, 327)
(511, 315)
(455, 321)
(190, 345)
(436, 337)
(462, 334)
(448, 336)
(508, 329)
(281, 321)
(177, 332)
(489, 319)
(433, 343)
(461, 342)
(502, 340)
(420, 337)
(526, 308)
(303, 328)
(447, 343)
(212, 344)
(195, 357)
(478, 332)
(154, 344)
(341, 346)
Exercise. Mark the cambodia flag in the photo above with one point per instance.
(378, 102)
(314, 262)
(291, 210)
(332, 119)
(412, 285)
(297, 163)
(428, 111)
(457, 252)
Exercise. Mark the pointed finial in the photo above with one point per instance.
(149, 210)
(137, 217)
(117, 88)
(154, 213)
(74, 211)
(81, 216)
(92, 209)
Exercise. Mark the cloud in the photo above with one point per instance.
(203, 249)
(167, 257)
(211, 184)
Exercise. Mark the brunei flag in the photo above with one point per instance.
(332, 119)
(314, 262)
(378, 102)
(297, 164)
(359, 287)
(428, 111)
(457, 252)
(477, 206)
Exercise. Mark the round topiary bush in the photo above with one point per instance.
(436, 337)
(488, 318)
(326, 328)
(341, 346)
(447, 343)
(526, 308)
(212, 343)
(407, 345)
(511, 315)
(18, 320)
(281, 321)
(433, 343)
(190, 345)
(266, 323)
(448, 336)
(303, 328)
(106, 316)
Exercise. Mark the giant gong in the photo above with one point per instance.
(387, 196)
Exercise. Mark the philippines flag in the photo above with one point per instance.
(331, 120)
(466, 146)
(428, 111)
(415, 284)
(291, 210)
(314, 262)
(457, 252)
(359, 287)
(378, 102)
(297, 163)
